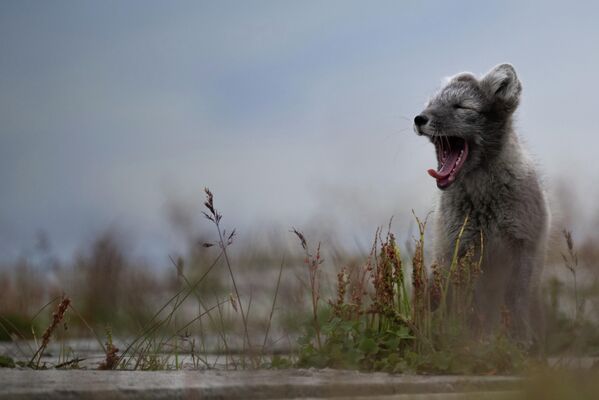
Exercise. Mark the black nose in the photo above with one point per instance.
(420, 120)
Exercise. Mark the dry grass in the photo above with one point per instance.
(213, 305)
(384, 323)
(57, 318)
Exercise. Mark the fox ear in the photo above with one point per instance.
(502, 84)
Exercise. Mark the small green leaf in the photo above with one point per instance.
(368, 346)
(6, 362)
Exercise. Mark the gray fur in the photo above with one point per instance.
(499, 188)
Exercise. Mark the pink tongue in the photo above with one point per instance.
(450, 162)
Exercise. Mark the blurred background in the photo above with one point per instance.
(115, 115)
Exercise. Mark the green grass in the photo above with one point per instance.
(381, 322)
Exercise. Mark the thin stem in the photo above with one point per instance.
(272, 310)
(454, 261)
(226, 254)
(155, 325)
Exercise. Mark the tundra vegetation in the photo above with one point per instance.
(389, 310)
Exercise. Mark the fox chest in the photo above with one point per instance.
(489, 216)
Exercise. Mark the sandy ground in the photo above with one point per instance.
(261, 384)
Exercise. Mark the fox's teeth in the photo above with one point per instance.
(458, 160)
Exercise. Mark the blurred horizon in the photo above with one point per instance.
(115, 116)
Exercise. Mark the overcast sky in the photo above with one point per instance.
(293, 113)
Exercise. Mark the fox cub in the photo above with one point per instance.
(484, 173)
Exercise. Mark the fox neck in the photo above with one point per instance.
(495, 173)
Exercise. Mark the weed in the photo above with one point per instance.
(571, 263)
(396, 330)
(12, 326)
(272, 310)
(570, 333)
(136, 353)
(313, 261)
(224, 241)
(57, 317)
(112, 359)
(6, 362)
(389, 311)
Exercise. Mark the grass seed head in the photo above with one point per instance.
(301, 237)
(57, 317)
(342, 283)
(213, 214)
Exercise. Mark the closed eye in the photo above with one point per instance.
(464, 107)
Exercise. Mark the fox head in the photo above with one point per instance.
(468, 120)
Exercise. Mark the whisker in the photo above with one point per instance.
(403, 130)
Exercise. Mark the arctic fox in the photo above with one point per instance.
(485, 174)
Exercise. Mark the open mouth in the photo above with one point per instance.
(452, 152)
